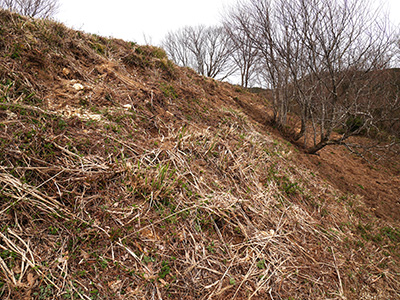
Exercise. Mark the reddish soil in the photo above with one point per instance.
(378, 184)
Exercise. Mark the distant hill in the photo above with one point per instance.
(124, 176)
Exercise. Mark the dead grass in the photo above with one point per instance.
(152, 183)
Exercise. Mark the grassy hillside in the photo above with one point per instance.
(123, 176)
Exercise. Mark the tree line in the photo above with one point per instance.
(322, 59)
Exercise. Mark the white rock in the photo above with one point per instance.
(78, 86)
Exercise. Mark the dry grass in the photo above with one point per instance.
(179, 195)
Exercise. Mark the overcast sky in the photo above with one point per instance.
(134, 20)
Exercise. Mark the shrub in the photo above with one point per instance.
(354, 123)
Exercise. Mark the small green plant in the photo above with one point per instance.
(94, 293)
(168, 91)
(103, 263)
(261, 264)
(62, 124)
(392, 233)
(162, 173)
(232, 281)
(99, 48)
(148, 259)
(167, 66)
(115, 233)
(45, 292)
(165, 270)
(158, 53)
(211, 248)
(324, 212)
(361, 186)
(283, 182)
(53, 230)
(9, 257)
(17, 51)
(81, 273)
(359, 244)
(288, 187)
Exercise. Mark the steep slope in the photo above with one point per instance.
(123, 176)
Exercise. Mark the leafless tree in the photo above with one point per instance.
(195, 43)
(320, 58)
(176, 45)
(347, 43)
(245, 54)
(32, 8)
(256, 20)
(205, 49)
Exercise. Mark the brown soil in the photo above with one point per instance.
(379, 186)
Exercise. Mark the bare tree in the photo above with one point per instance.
(256, 20)
(320, 58)
(218, 53)
(195, 44)
(346, 42)
(205, 49)
(175, 44)
(245, 54)
(32, 8)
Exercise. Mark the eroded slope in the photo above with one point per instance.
(126, 177)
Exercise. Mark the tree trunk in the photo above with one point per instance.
(322, 144)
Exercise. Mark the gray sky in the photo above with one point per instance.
(132, 20)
